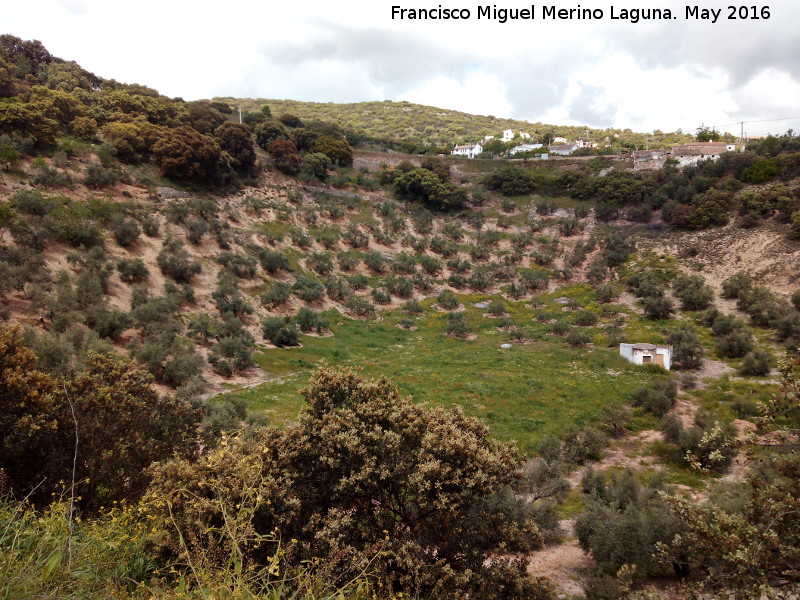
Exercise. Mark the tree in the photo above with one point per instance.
(235, 139)
(269, 131)
(284, 153)
(687, 348)
(339, 151)
(365, 479)
(186, 154)
(707, 134)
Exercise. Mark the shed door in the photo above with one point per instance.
(659, 359)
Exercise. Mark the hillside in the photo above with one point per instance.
(273, 360)
(419, 125)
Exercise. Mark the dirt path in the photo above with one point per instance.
(564, 564)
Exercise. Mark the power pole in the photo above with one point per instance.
(741, 135)
(240, 114)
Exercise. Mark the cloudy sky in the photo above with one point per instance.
(601, 73)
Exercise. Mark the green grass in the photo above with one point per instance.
(522, 393)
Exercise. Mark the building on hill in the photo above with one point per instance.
(508, 135)
(647, 354)
(562, 149)
(524, 148)
(693, 152)
(467, 150)
(558, 140)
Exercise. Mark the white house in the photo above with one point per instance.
(508, 135)
(559, 140)
(647, 354)
(563, 149)
(524, 136)
(693, 152)
(468, 150)
(524, 148)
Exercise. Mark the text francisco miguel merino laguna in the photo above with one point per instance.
(553, 13)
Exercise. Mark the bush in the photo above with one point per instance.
(126, 231)
(280, 332)
(381, 296)
(687, 351)
(579, 445)
(578, 338)
(400, 286)
(448, 300)
(657, 309)
(132, 271)
(175, 262)
(308, 320)
(308, 289)
(97, 176)
(360, 306)
(273, 261)
(756, 362)
(658, 399)
(320, 262)
(150, 227)
(375, 261)
(457, 325)
(277, 295)
(585, 318)
(693, 292)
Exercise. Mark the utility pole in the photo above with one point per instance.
(741, 135)
(240, 114)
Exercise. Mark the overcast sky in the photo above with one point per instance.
(649, 75)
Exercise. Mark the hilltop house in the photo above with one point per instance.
(508, 135)
(524, 148)
(562, 149)
(468, 150)
(647, 354)
(693, 152)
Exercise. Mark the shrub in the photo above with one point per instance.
(381, 296)
(448, 300)
(375, 261)
(657, 309)
(273, 261)
(693, 292)
(126, 231)
(400, 286)
(320, 262)
(457, 325)
(687, 350)
(175, 262)
(578, 338)
(308, 289)
(360, 306)
(132, 271)
(280, 332)
(308, 320)
(756, 362)
(97, 176)
(585, 318)
(277, 295)
(241, 266)
(579, 445)
(658, 399)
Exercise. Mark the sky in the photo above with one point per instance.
(655, 74)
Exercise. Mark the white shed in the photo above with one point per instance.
(647, 354)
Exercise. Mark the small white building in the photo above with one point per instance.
(563, 149)
(524, 148)
(694, 152)
(559, 140)
(647, 354)
(468, 150)
(508, 135)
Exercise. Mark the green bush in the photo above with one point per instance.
(132, 271)
(658, 398)
(281, 332)
(308, 320)
(175, 262)
(308, 289)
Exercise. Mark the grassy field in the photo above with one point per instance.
(522, 393)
